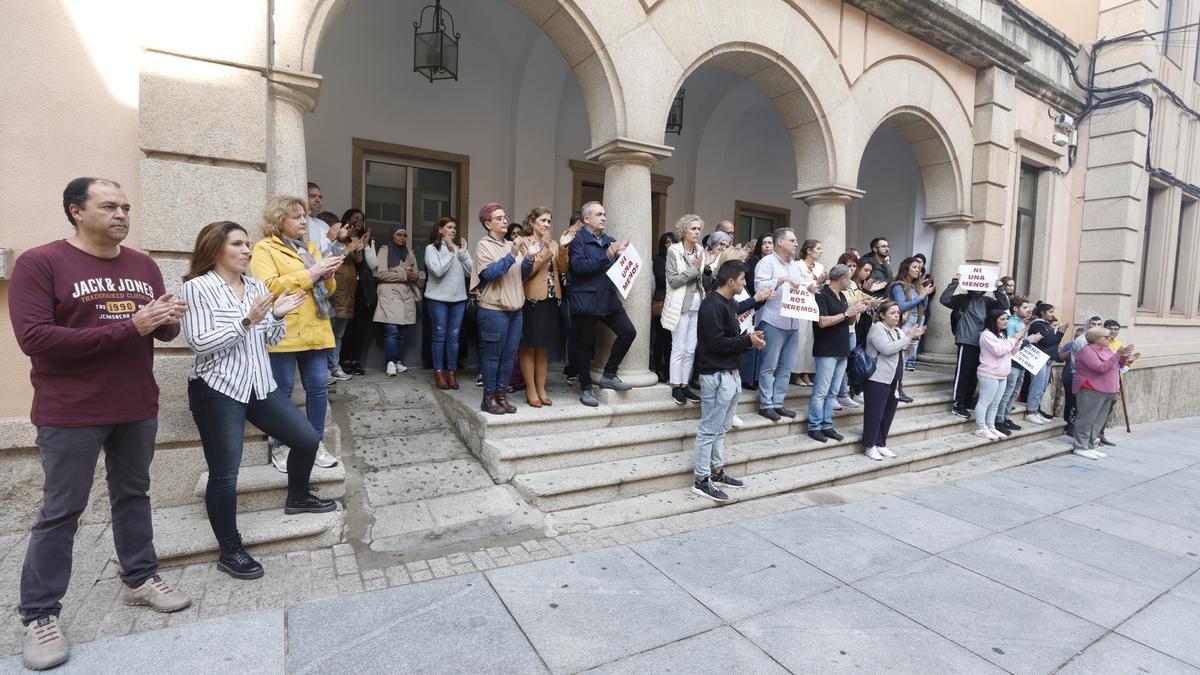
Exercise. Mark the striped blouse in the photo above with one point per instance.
(229, 358)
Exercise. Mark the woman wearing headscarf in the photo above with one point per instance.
(398, 297)
(496, 278)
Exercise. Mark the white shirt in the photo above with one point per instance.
(229, 357)
(769, 269)
(318, 233)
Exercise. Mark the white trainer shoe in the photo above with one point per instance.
(885, 452)
(1035, 418)
(391, 368)
(1086, 454)
(837, 405)
(873, 453)
(984, 433)
(400, 367)
(737, 422)
(279, 457)
(1099, 453)
(848, 403)
(324, 459)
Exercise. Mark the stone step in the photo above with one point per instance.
(263, 487)
(559, 489)
(1028, 445)
(506, 457)
(182, 534)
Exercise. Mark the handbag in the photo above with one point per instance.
(859, 366)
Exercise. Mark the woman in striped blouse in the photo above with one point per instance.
(231, 319)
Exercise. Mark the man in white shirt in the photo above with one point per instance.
(320, 232)
(779, 272)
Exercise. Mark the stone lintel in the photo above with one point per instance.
(840, 194)
(622, 150)
(949, 221)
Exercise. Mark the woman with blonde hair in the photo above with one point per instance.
(687, 263)
(284, 260)
(812, 272)
(544, 259)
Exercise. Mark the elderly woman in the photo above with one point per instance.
(687, 265)
(398, 297)
(496, 278)
(1096, 382)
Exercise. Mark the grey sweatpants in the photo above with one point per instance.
(1092, 412)
(69, 456)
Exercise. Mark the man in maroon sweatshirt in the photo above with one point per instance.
(87, 311)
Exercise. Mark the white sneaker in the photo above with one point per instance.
(984, 433)
(873, 453)
(400, 367)
(848, 402)
(1087, 454)
(391, 368)
(857, 399)
(885, 452)
(279, 457)
(737, 422)
(1035, 418)
(324, 459)
(1099, 453)
(837, 405)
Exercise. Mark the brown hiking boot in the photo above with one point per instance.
(452, 379)
(491, 405)
(440, 380)
(157, 594)
(44, 644)
(502, 399)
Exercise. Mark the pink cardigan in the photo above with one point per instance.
(1099, 367)
(995, 355)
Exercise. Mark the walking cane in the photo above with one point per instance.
(1124, 405)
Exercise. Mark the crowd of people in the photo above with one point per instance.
(304, 295)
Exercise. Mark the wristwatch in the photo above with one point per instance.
(246, 323)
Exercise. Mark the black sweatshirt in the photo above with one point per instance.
(719, 338)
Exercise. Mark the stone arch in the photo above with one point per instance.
(916, 101)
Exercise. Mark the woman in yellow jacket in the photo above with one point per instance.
(285, 260)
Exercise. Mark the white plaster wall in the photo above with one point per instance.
(894, 204)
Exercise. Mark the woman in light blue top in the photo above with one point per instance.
(911, 292)
(447, 267)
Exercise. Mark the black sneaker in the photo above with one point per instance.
(678, 396)
(832, 435)
(769, 413)
(725, 480)
(479, 380)
(817, 436)
(1012, 426)
(1003, 429)
(962, 412)
(705, 488)
(690, 395)
(309, 504)
(1045, 415)
(785, 412)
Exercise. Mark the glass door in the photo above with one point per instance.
(414, 195)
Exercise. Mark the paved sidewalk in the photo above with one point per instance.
(1059, 566)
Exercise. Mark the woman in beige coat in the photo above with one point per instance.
(398, 297)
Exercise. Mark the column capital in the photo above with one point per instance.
(828, 194)
(299, 89)
(949, 221)
(622, 150)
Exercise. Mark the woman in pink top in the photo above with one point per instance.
(995, 361)
(1097, 372)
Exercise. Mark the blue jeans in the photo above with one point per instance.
(395, 338)
(447, 318)
(1011, 388)
(222, 424)
(718, 403)
(339, 330)
(500, 334)
(844, 390)
(910, 352)
(777, 359)
(1037, 389)
(991, 390)
(314, 377)
(830, 369)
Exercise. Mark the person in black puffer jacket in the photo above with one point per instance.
(1045, 324)
(973, 307)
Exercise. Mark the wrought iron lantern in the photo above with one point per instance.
(675, 116)
(435, 49)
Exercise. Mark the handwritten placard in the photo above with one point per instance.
(798, 303)
(1031, 358)
(978, 277)
(625, 270)
(746, 318)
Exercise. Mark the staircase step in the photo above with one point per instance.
(263, 487)
(914, 456)
(182, 534)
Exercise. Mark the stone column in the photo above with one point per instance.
(292, 95)
(827, 218)
(628, 206)
(949, 251)
(991, 173)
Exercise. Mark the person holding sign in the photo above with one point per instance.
(688, 265)
(812, 273)
(831, 347)
(1046, 325)
(996, 350)
(779, 273)
(1022, 314)
(496, 277)
(1097, 377)
(973, 308)
(885, 343)
(594, 300)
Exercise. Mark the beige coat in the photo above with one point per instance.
(398, 297)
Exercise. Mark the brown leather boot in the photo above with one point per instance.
(492, 405)
(440, 380)
(502, 399)
(451, 379)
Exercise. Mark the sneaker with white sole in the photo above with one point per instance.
(156, 594)
(338, 374)
(324, 459)
(873, 453)
(391, 369)
(984, 433)
(737, 422)
(400, 367)
(706, 488)
(43, 645)
(1035, 418)
(1099, 453)
(885, 452)
(848, 403)
(279, 457)
(836, 405)
(1086, 454)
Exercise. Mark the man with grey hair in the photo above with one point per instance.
(777, 272)
(831, 347)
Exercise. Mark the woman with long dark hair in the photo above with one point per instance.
(911, 291)
(543, 259)
(398, 297)
(996, 350)
(1045, 324)
(763, 246)
(811, 272)
(660, 338)
(447, 267)
(231, 319)
(365, 263)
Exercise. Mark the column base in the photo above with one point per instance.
(938, 358)
(637, 377)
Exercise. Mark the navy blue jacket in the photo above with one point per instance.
(591, 292)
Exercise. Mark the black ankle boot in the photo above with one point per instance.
(903, 397)
(236, 562)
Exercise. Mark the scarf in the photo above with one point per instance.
(319, 291)
(396, 253)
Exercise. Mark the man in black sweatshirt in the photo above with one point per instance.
(720, 342)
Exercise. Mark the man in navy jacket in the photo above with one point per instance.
(594, 300)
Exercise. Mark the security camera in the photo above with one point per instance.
(1060, 139)
(1063, 121)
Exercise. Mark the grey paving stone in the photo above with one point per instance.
(695, 655)
(401, 394)
(1147, 464)
(1147, 531)
(424, 481)
(1030, 496)
(734, 572)
(458, 623)
(1004, 626)
(1131, 560)
(396, 423)
(1189, 589)
(993, 513)
(249, 643)
(586, 610)
(911, 523)
(1147, 503)
(1084, 481)
(1083, 590)
(1116, 654)
(845, 631)
(1168, 625)
(389, 451)
(839, 546)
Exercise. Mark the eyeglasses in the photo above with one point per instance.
(502, 218)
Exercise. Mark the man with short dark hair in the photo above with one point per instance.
(880, 258)
(86, 311)
(831, 348)
(719, 346)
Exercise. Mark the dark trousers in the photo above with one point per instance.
(879, 409)
(355, 338)
(567, 331)
(1069, 399)
(966, 376)
(69, 456)
(660, 351)
(222, 423)
(585, 343)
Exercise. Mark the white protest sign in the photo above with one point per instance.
(625, 270)
(978, 277)
(746, 318)
(1031, 358)
(798, 303)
